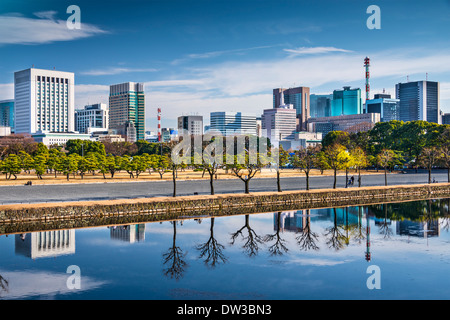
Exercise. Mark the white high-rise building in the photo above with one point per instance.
(44, 101)
(232, 123)
(279, 123)
(92, 118)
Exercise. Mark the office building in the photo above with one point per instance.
(44, 101)
(232, 123)
(59, 138)
(279, 123)
(92, 118)
(192, 124)
(349, 123)
(299, 98)
(45, 244)
(320, 105)
(127, 104)
(7, 114)
(346, 102)
(419, 100)
(389, 109)
(446, 118)
(302, 140)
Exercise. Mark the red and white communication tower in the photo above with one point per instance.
(367, 65)
(159, 124)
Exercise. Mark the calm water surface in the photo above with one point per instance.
(301, 254)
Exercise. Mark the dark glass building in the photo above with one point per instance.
(419, 100)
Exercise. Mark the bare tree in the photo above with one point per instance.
(175, 258)
(251, 241)
(211, 250)
(279, 247)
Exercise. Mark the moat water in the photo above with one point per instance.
(385, 251)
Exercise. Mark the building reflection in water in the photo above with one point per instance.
(129, 233)
(45, 244)
(421, 229)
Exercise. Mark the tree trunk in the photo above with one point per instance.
(448, 174)
(346, 178)
(278, 181)
(307, 180)
(334, 183)
(246, 186)
(429, 175)
(174, 182)
(211, 182)
(359, 177)
(385, 176)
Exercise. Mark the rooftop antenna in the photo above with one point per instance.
(426, 76)
(407, 78)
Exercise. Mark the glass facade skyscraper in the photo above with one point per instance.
(7, 114)
(346, 102)
(127, 104)
(320, 105)
(419, 100)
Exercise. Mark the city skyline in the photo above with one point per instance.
(201, 56)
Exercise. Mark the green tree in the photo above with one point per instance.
(360, 161)
(161, 164)
(336, 157)
(385, 159)
(26, 161)
(40, 164)
(69, 164)
(54, 160)
(336, 137)
(305, 159)
(11, 165)
(428, 158)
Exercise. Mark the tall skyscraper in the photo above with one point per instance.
(7, 114)
(299, 98)
(127, 104)
(44, 101)
(232, 123)
(320, 105)
(92, 117)
(419, 100)
(192, 124)
(346, 102)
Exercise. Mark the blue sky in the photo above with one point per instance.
(208, 55)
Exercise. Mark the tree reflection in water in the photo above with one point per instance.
(4, 285)
(307, 238)
(335, 237)
(279, 247)
(251, 241)
(211, 250)
(174, 257)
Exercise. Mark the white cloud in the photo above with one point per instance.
(314, 50)
(218, 53)
(16, 29)
(25, 284)
(113, 71)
